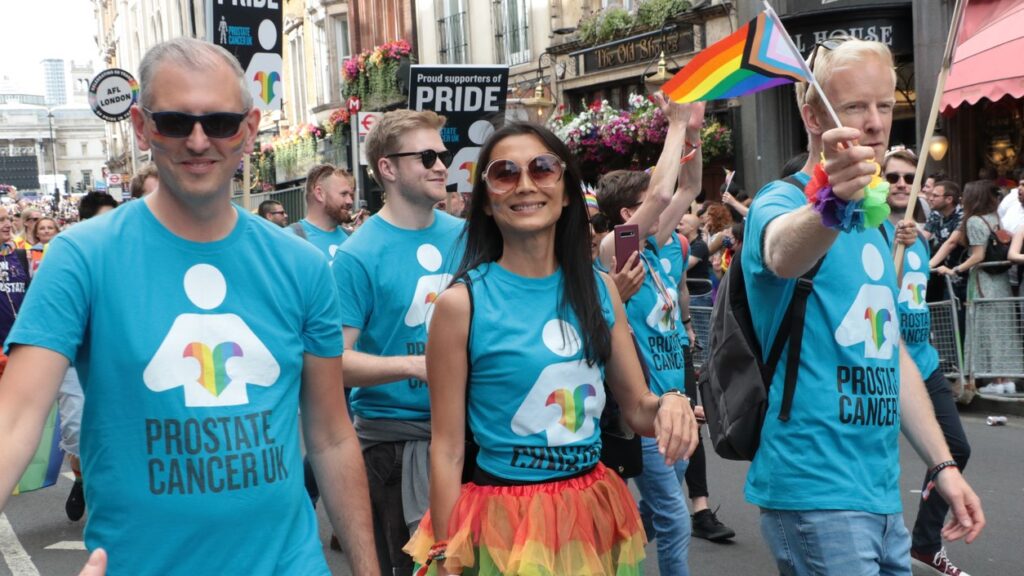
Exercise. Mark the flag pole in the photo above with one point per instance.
(922, 158)
(807, 71)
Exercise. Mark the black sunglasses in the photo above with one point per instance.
(427, 157)
(894, 177)
(180, 124)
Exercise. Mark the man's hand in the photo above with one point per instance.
(906, 232)
(630, 278)
(691, 334)
(675, 428)
(967, 518)
(849, 166)
(675, 112)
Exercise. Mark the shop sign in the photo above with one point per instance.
(473, 99)
(251, 30)
(798, 6)
(896, 33)
(641, 49)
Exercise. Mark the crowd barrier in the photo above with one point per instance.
(994, 334)
(293, 200)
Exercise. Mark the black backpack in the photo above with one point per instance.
(997, 249)
(734, 380)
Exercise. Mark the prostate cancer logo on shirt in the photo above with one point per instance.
(421, 309)
(214, 357)
(871, 319)
(566, 400)
(915, 283)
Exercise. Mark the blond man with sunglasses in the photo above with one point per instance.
(826, 474)
(193, 368)
(388, 275)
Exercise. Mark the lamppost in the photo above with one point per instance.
(53, 160)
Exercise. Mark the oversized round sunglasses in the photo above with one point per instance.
(503, 176)
(180, 124)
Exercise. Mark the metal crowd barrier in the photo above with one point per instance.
(945, 334)
(293, 200)
(994, 339)
(701, 322)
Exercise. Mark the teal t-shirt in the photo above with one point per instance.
(653, 314)
(915, 315)
(534, 403)
(673, 262)
(388, 278)
(326, 242)
(191, 371)
(840, 448)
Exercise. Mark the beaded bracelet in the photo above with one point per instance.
(435, 554)
(933, 474)
(844, 215)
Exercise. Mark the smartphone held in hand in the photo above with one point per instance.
(627, 241)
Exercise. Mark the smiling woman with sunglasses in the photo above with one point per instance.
(520, 345)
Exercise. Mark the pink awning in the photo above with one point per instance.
(988, 61)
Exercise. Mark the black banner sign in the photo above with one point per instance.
(637, 49)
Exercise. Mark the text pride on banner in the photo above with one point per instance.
(473, 99)
(758, 56)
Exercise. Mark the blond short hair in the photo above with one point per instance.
(317, 174)
(385, 137)
(849, 51)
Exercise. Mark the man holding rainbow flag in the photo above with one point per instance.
(827, 477)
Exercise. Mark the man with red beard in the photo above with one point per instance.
(329, 197)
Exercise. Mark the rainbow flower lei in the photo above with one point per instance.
(842, 215)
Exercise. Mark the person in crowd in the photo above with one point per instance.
(388, 275)
(455, 204)
(44, 230)
(1011, 208)
(929, 184)
(274, 211)
(999, 342)
(145, 181)
(153, 412)
(14, 273)
(943, 221)
(330, 193)
(826, 476)
(738, 203)
(658, 314)
(29, 216)
(70, 398)
(537, 467)
(698, 263)
(915, 328)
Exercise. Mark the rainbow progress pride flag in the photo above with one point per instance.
(756, 57)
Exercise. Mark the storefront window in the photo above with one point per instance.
(511, 31)
(451, 31)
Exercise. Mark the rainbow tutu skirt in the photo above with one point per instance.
(583, 526)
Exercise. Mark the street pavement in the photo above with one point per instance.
(37, 539)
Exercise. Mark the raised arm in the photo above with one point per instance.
(793, 242)
(688, 180)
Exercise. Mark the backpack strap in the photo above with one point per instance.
(22, 255)
(791, 331)
(299, 230)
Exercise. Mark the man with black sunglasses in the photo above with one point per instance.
(190, 431)
(826, 472)
(388, 275)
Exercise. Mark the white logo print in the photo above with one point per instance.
(427, 287)
(915, 283)
(872, 317)
(567, 398)
(213, 356)
(664, 314)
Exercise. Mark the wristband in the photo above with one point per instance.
(672, 392)
(436, 554)
(688, 320)
(933, 473)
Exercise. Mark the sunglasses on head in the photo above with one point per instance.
(503, 175)
(180, 124)
(427, 157)
(894, 177)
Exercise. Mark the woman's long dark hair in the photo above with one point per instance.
(484, 243)
(980, 197)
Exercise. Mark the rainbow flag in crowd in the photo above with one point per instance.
(758, 56)
(45, 466)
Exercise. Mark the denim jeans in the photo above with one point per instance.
(663, 509)
(384, 472)
(837, 542)
(927, 533)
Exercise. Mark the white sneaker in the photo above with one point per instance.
(993, 388)
(1009, 388)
